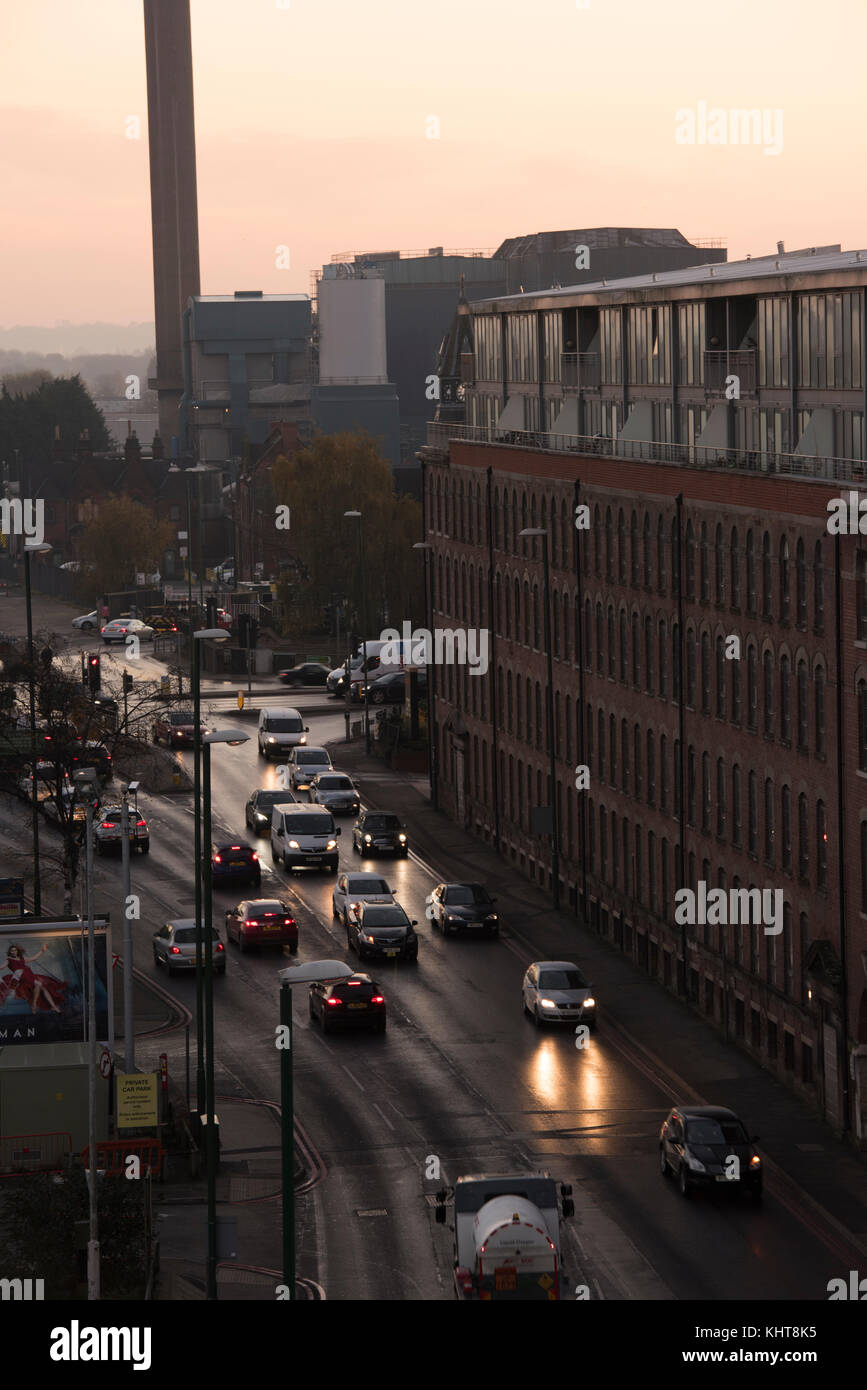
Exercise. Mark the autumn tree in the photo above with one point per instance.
(123, 539)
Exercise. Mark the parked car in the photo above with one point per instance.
(88, 622)
(357, 1002)
(337, 791)
(280, 729)
(354, 888)
(555, 991)
(108, 832)
(458, 907)
(257, 812)
(174, 946)
(234, 864)
(379, 832)
(309, 673)
(176, 728)
(262, 922)
(706, 1146)
(303, 764)
(304, 837)
(382, 929)
(121, 628)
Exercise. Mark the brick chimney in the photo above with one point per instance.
(157, 450)
(131, 446)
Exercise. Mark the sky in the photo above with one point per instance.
(330, 126)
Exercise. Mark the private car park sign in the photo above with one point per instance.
(136, 1100)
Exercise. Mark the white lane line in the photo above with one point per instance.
(352, 1078)
(384, 1116)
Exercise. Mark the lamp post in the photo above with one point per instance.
(364, 629)
(85, 778)
(233, 737)
(312, 972)
(29, 550)
(427, 549)
(128, 1024)
(555, 829)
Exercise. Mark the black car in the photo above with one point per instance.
(356, 1002)
(235, 864)
(309, 673)
(379, 832)
(92, 753)
(176, 728)
(455, 907)
(257, 812)
(382, 929)
(393, 689)
(708, 1146)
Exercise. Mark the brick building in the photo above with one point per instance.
(708, 638)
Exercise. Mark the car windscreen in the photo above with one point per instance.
(271, 798)
(187, 935)
(385, 917)
(290, 724)
(335, 784)
(367, 885)
(309, 825)
(236, 850)
(357, 989)
(707, 1131)
(267, 908)
(181, 716)
(465, 894)
(382, 823)
(311, 757)
(562, 979)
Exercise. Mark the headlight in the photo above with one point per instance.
(332, 844)
(547, 1003)
(755, 1161)
(293, 844)
(452, 918)
(402, 838)
(303, 738)
(368, 839)
(271, 739)
(694, 1164)
(371, 940)
(589, 1004)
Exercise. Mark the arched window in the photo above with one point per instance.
(752, 688)
(785, 581)
(637, 754)
(703, 565)
(597, 543)
(528, 614)
(609, 545)
(662, 658)
(770, 829)
(720, 798)
(600, 646)
(690, 785)
(785, 699)
(588, 632)
(736, 691)
(509, 702)
(720, 558)
(802, 707)
(539, 724)
(633, 550)
(690, 561)
(751, 573)
(651, 768)
(720, 678)
(663, 773)
(612, 643)
(603, 844)
(528, 708)
(537, 622)
(818, 588)
(568, 724)
(768, 673)
(646, 550)
(821, 846)
(555, 625)
(767, 583)
(803, 839)
(660, 553)
(690, 668)
(621, 547)
(600, 729)
(736, 805)
(819, 710)
(800, 585)
(786, 830)
(674, 543)
(676, 662)
(624, 755)
(752, 813)
(705, 793)
(648, 656)
(612, 750)
(624, 672)
(636, 651)
(705, 673)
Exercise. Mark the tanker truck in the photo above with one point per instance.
(507, 1235)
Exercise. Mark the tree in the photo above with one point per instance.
(335, 474)
(123, 539)
(28, 420)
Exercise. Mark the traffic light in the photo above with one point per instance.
(211, 606)
(127, 682)
(94, 675)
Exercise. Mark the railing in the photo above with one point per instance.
(33, 1153)
(392, 255)
(440, 433)
(579, 369)
(718, 366)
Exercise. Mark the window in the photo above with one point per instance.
(612, 750)
(768, 673)
(624, 673)
(720, 798)
(818, 588)
(615, 852)
(597, 542)
(690, 668)
(819, 710)
(752, 814)
(803, 839)
(751, 573)
(651, 768)
(624, 755)
(690, 786)
(539, 725)
(660, 553)
(690, 561)
(645, 538)
(636, 652)
(786, 830)
(720, 567)
(705, 793)
(648, 656)
(736, 691)
(735, 568)
(703, 566)
(800, 585)
(633, 550)
(802, 706)
(766, 576)
(752, 688)
(663, 773)
(666, 877)
(662, 653)
(821, 846)
(612, 645)
(705, 673)
(600, 718)
(603, 844)
(785, 586)
(674, 543)
(677, 662)
(651, 871)
(785, 700)
(770, 828)
(637, 780)
(599, 642)
(621, 547)
(736, 805)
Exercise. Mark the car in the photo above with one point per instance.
(309, 673)
(356, 1002)
(224, 573)
(176, 728)
(224, 619)
(337, 791)
(379, 832)
(257, 812)
(92, 753)
(161, 624)
(120, 628)
(555, 991)
(354, 888)
(455, 907)
(104, 704)
(234, 863)
(107, 830)
(382, 929)
(262, 922)
(87, 622)
(304, 837)
(48, 779)
(280, 728)
(393, 688)
(707, 1145)
(174, 946)
(302, 766)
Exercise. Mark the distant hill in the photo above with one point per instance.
(78, 339)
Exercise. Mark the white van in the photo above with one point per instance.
(280, 728)
(304, 837)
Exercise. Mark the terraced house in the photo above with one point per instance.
(678, 438)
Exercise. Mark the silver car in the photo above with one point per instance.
(556, 991)
(337, 791)
(174, 946)
(302, 766)
(108, 830)
(87, 622)
(352, 889)
(120, 628)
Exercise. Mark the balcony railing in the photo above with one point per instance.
(579, 369)
(440, 433)
(718, 366)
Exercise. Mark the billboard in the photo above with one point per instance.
(43, 982)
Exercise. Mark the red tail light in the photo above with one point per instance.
(254, 856)
(141, 822)
(377, 999)
(464, 1279)
(217, 859)
(176, 950)
(219, 945)
(333, 1002)
(353, 984)
(107, 825)
(236, 847)
(288, 921)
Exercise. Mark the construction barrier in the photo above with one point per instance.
(111, 1155)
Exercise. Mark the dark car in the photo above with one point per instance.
(309, 673)
(458, 907)
(379, 832)
(92, 753)
(262, 922)
(382, 929)
(708, 1146)
(235, 864)
(257, 812)
(357, 1002)
(176, 728)
(393, 689)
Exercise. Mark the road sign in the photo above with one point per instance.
(136, 1100)
(105, 1063)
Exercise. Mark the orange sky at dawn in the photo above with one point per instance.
(312, 120)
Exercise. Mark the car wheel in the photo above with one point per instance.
(683, 1182)
(241, 943)
(536, 1017)
(145, 846)
(335, 915)
(379, 697)
(293, 949)
(380, 1025)
(310, 1012)
(156, 957)
(404, 852)
(413, 958)
(663, 1162)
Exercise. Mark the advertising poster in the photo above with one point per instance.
(43, 982)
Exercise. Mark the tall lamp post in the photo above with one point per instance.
(312, 972)
(29, 550)
(427, 550)
(555, 829)
(234, 737)
(364, 629)
(84, 780)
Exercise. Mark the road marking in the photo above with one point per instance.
(352, 1078)
(384, 1116)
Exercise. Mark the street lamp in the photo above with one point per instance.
(41, 549)
(234, 737)
(364, 639)
(215, 634)
(85, 778)
(427, 550)
(128, 1024)
(555, 830)
(312, 972)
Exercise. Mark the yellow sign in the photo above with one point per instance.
(240, 699)
(136, 1100)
